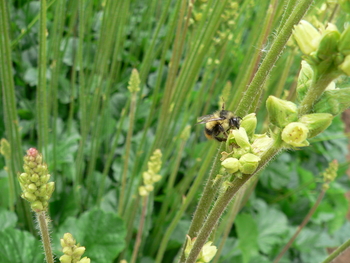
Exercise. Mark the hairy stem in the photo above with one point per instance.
(45, 236)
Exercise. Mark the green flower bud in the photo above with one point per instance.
(68, 239)
(65, 259)
(305, 79)
(306, 36)
(316, 122)
(345, 66)
(29, 196)
(207, 253)
(50, 188)
(189, 245)
(241, 138)
(333, 101)
(87, 260)
(78, 252)
(34, 178)
(67, 250)
(32, 188)
(249, 124)
(344, 42)
(37, 206)
(328, 45)
(281, 112)
(231, 165)
(143, 191)
(295, 134)
(249, 163)
(134, 82)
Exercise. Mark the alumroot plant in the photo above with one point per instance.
(326, 57)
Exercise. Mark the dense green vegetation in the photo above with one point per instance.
(98, 86)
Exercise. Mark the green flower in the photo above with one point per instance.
(207, 253)
(241, 138)
(295, 134)
(345, 66)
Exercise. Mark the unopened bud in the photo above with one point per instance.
(231, 165)
(316, 122)
(241, 138)
(328, 45)
(306, 36)
(345, 66)
(249, 163)
(305, 79)
(249, 124)
(333, 101)
(281, 112)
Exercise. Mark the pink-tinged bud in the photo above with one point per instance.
(37, 206)
(295, 134)
(32, 152)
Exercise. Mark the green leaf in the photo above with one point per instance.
(19, 246)
(7, 219)
(247, 231)
(101, 233)
(272, 225)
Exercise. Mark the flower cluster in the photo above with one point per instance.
(330, 174)
(72, 252)
(247, 148)
(207, 253)
(294, 130)
(34, 181)
(326, 51)
(151, 176)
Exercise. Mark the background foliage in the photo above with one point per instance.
(72, 103)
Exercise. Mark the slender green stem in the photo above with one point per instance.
(209, 193)
(127, 152)
(272, 56)
(140, 230)
(305, 221)
(45, 236)
(41, 107)
(183, 207)
(337, 252)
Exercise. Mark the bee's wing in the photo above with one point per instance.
(208, 118)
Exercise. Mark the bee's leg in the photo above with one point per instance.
(220, 139)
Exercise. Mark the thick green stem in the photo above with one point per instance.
(271, 57)
(224, 200)
(314, 93)
(45, 236)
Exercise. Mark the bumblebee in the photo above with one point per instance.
(218, 123)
